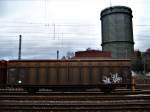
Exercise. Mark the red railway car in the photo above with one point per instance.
(66, 74)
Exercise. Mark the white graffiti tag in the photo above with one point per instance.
(115, 78)
(106, 80)
(112, 78)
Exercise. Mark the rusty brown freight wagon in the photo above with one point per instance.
(66, 74)
(3, 72)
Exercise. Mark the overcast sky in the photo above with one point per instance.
(64, 25)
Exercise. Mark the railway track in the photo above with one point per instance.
(77, 97)
(136, 106)
(75, 102)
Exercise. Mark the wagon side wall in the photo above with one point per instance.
(3, 72)
(71, 72)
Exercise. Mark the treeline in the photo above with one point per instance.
(141, 62)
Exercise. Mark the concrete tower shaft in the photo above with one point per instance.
(117, 31)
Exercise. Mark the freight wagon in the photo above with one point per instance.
(65, 74)
(3, 72)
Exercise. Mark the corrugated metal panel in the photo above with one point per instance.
(65, 72)
(3, 72)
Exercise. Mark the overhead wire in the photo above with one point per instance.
(53, 34)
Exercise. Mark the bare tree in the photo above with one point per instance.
(70, 55)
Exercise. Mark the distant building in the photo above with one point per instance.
(92, 54)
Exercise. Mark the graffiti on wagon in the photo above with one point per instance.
(112, 78)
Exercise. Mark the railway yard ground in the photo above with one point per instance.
(16, 100)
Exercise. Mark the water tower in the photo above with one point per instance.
(117, 31)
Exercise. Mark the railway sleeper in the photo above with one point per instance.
(79, 107)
